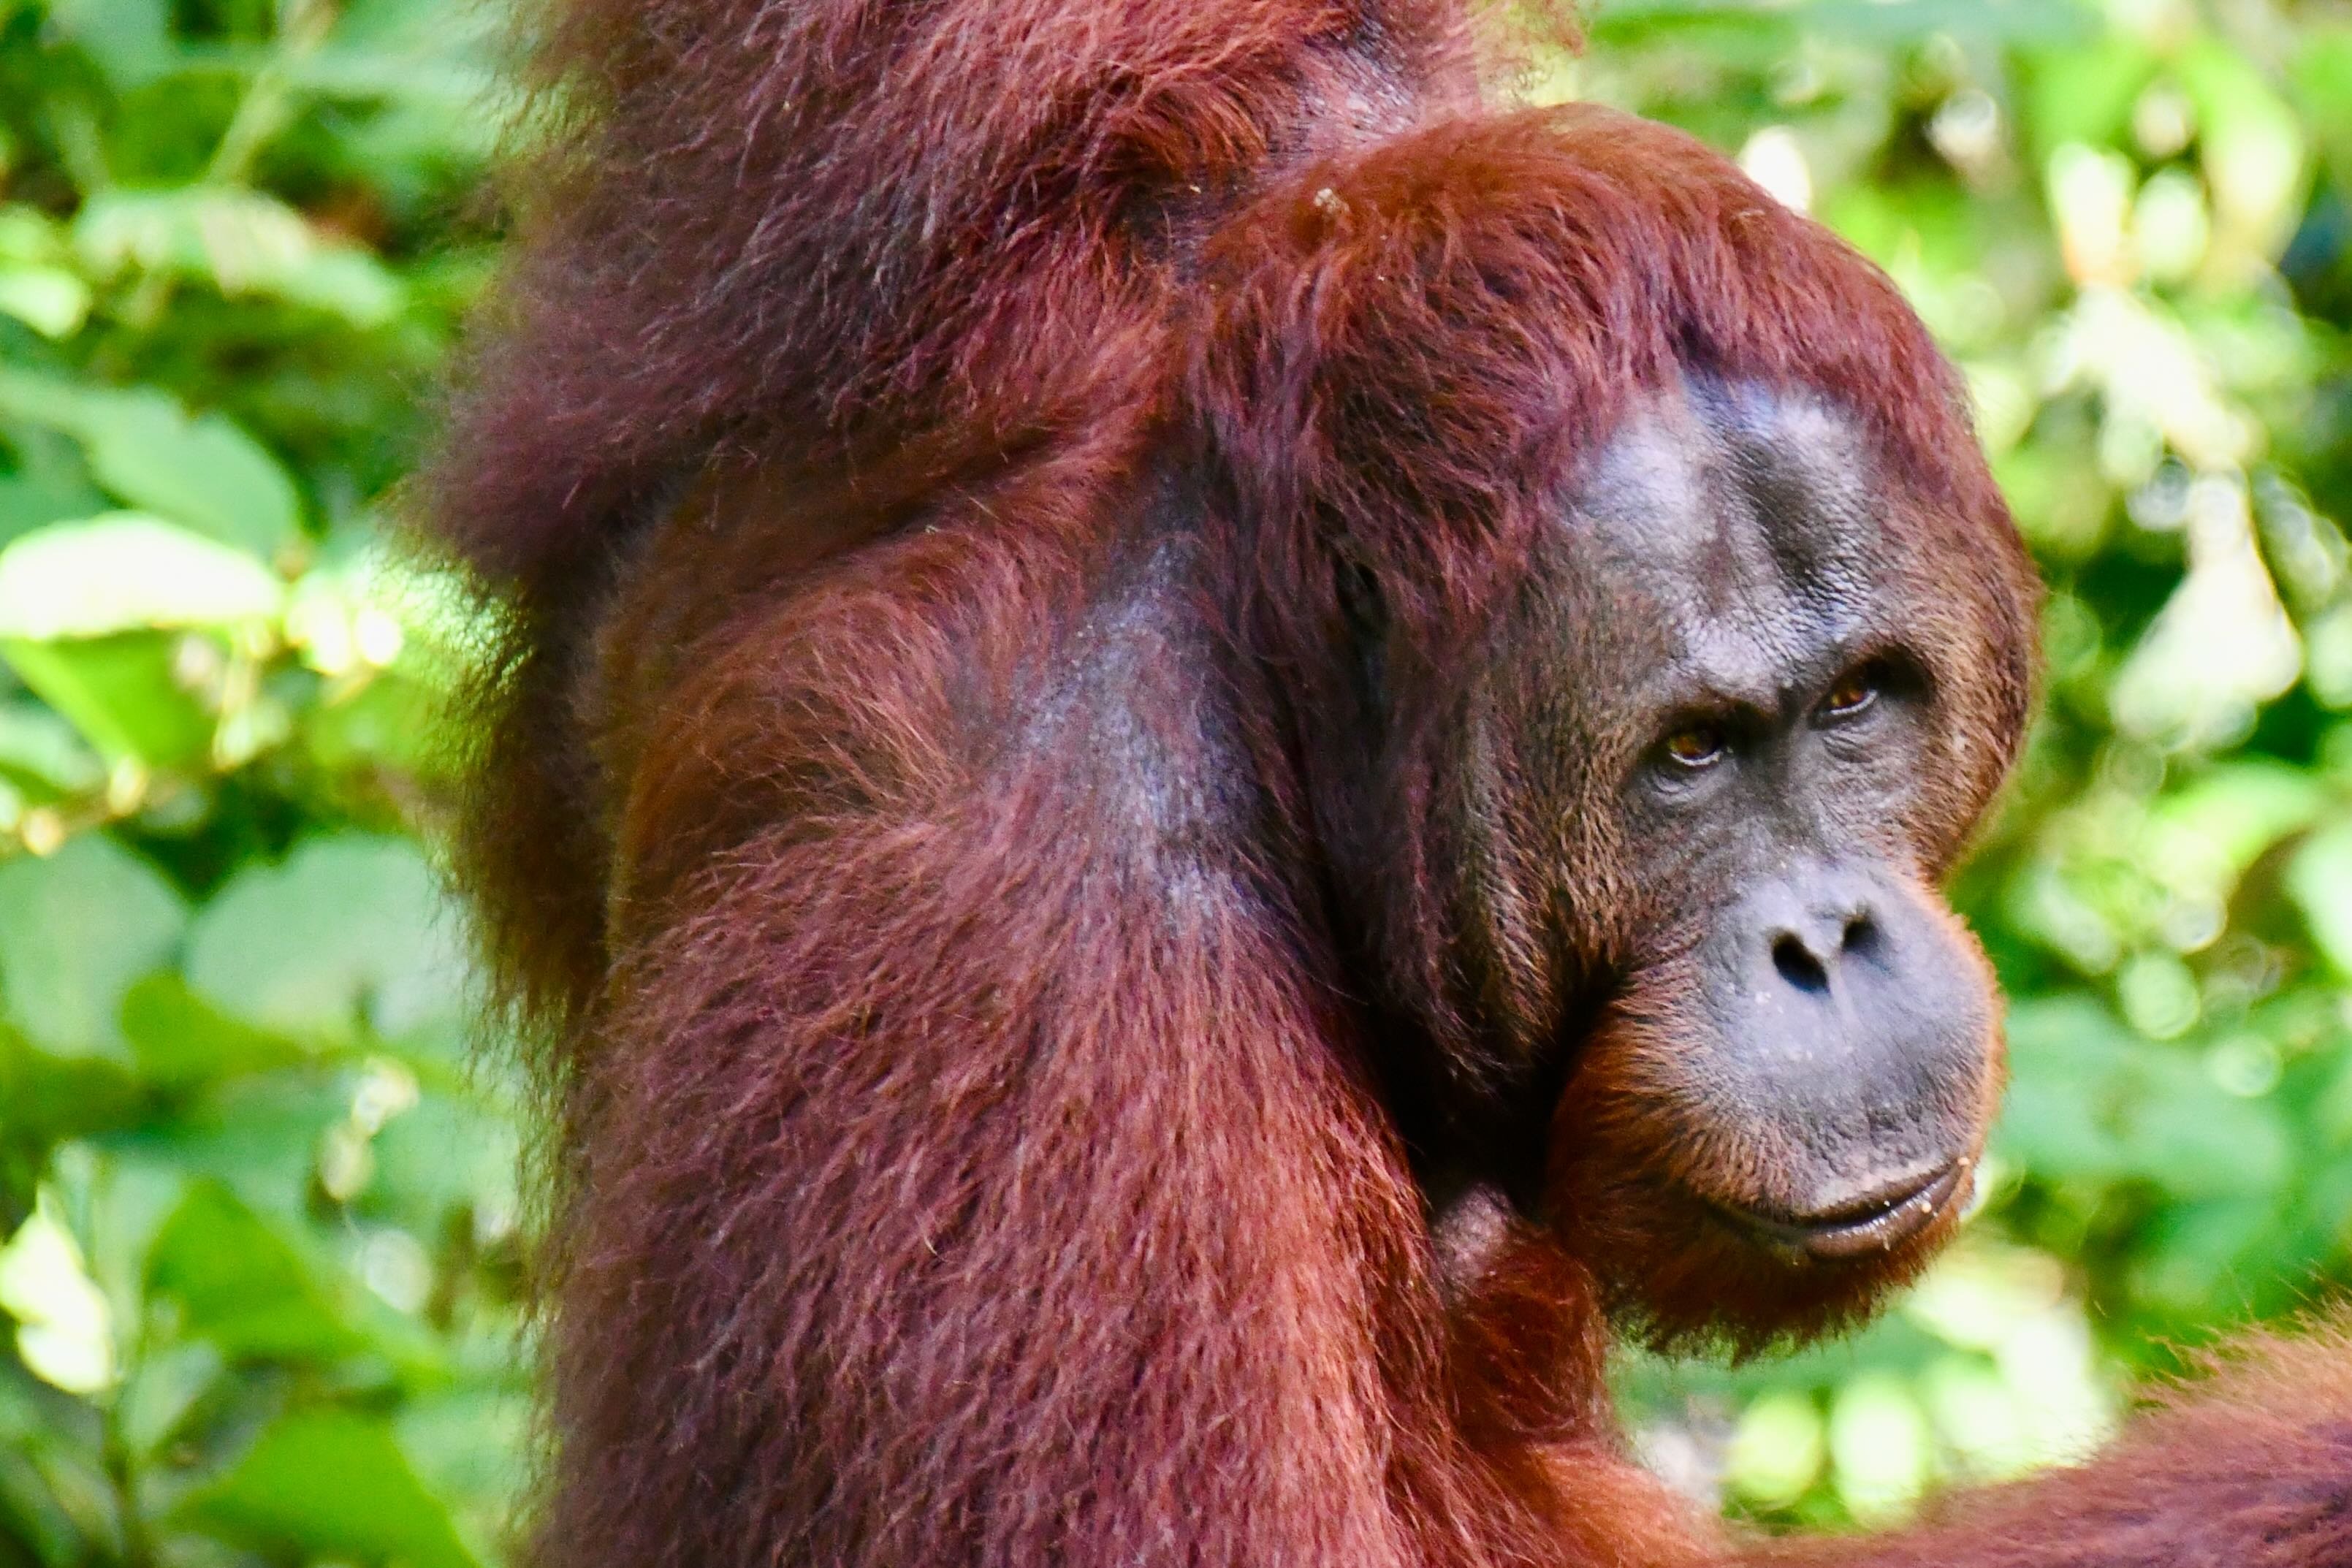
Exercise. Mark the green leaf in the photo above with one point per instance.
(258, 1136)
(242, 1285)
(49, 299)
(2323, 73)
(40, 749)
(121, 692)
(344, 282)
(204, 472)
(65, 1328)
(2091, 1102)
(45, 1098)
(2235, 812)
(349, 929)
(470, 1446)
(29, 501)
(2253, 146)
(390, 722)
(75, 929)
(164, 1386)
(47, 1470)
(444, 1152)
(2084, 94)
(179, 1040)
(129, 39)
(30, 237)
(2320, 879)
(323, 1483)
(2070, 1063)
(2195, 1141)
(123, 572)
(242, 242)
(2200, 1247)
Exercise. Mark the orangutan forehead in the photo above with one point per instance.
(1740, 529)
(1703, 466)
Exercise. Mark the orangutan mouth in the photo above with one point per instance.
(1866, 1228)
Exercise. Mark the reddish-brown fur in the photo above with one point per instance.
(907, 452)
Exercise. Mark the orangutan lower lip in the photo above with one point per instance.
(1878, 1225)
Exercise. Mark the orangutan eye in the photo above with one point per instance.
(1854, 691)
(1695, 746)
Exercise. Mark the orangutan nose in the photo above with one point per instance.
(1815, 924)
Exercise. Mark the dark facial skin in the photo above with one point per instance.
(1702, 868)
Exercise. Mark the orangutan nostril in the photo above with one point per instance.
(1862, 936)
(1797, 963)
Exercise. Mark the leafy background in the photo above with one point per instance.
(261, 1271)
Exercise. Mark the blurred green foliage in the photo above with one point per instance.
(260, 1209)
(258, 1206)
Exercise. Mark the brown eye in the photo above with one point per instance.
(1854, 691)
(1698, 746)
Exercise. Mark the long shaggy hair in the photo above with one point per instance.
(919, 453)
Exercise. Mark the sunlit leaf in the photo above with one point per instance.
(122, 693)
(124, 572)
(2084, 93)
(1778, 1449)
(1878, 1447)
(65, 1331)
(2234, 813)
(242, 242)
(2320, 880)
(49, 299)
